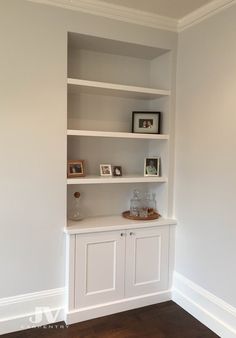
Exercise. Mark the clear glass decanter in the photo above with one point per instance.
(135, 204)
(148, 205)
(145, 205)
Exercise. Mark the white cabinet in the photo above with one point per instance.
(121, 264)
(146, 261)
(99, 267)
(115, 264)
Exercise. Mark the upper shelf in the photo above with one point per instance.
(116, 134)
(105, 88)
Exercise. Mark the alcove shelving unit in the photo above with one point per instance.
(107, 81)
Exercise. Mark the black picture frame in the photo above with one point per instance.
(152, 166)
(117, 170)
(146, 122)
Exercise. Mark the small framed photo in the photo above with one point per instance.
(152, 166)
(105, 170)
(117, 170)
(75, 168)
(146, 122)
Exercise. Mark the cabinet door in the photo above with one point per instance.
(99, 268)
(146, 261)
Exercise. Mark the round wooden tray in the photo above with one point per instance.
(126, 214)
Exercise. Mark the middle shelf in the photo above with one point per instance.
(95, 179)
(93, 133)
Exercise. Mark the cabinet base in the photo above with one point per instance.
(100, 310)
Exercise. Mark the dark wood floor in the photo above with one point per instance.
(166, 320)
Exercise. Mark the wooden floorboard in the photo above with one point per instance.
(166, 320)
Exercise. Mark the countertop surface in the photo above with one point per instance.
(112, 223)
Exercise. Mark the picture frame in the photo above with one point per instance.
(146, 122)
(117, 171)
(152, 166)
(75, 168)
(105, 170)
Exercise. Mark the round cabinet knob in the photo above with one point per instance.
(132, 233)
(122, 234)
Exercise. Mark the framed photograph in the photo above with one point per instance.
(75, 168)
(146, 122)
(105, 170)
(152, 166)
(117, 170)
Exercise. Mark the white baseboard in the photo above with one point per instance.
(212, 311)
(125, 304)
(31, 310)
(46, 307)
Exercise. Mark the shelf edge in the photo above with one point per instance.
(118, 87)
(91, 133)
(115, 180)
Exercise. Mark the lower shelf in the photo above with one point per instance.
(93, 179)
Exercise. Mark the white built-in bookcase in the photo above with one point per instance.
(107, 80)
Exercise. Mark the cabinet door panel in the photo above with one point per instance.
(105, 253)
(99, 268)
(146, 261)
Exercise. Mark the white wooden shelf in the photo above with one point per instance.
(105, 88)
(116, 222)
(116, 134)
(93, 179)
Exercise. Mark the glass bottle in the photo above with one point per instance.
(151, 203)
(154, 202)
(135, 204)
(74, 213)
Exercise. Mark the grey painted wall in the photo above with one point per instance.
(33, 68)
(205, 155)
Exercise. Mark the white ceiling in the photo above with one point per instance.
(170, 15)
(176, 9)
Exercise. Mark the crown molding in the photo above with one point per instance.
(130, 15)
(116, 12)
(203, 13)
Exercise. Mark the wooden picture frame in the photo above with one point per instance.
(146, 122)
(75, 168)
